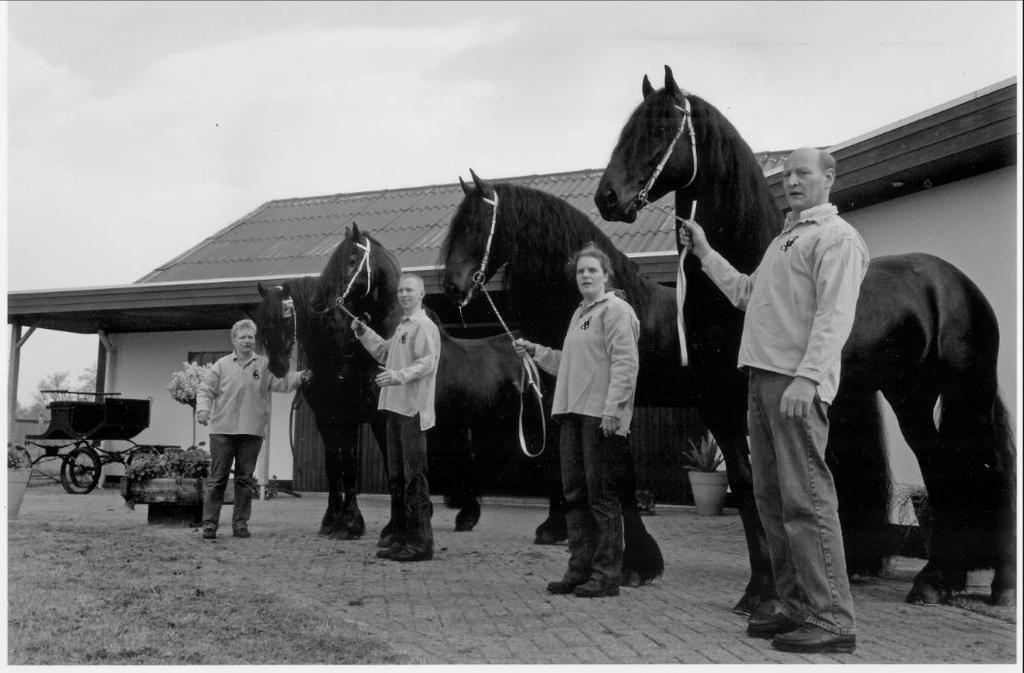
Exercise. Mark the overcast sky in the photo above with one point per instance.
(135, 130)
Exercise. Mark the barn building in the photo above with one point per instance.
(944, 182)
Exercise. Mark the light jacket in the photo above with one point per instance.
(801, 299)
(597, 367)
(237, 394)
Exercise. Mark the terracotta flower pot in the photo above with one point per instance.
(17, 484)
(708, 491)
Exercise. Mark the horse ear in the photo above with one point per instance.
(481, 185)
(670, 84)
(465, 188)
(647, 88)
(285, 292)
(355, 231)
(262, 290)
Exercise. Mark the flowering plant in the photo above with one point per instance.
(185, 384)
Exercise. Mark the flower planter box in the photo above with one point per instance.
(171, 501)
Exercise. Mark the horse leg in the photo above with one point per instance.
(352, 525)
(553, 529)
(378, 426)
(465, 494)
(331, 521)
(914, 410)
(759, 596)
(642, 561)
(857, 458)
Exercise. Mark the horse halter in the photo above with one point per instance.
(479, 275)
(687, 126)
(365, 261)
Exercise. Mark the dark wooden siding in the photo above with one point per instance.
(658, 437)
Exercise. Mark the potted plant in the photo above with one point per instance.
(707, 482)
(19, 470)
(185, 384)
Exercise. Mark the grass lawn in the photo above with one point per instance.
(82, 593)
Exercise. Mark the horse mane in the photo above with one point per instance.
(555, 229)
(734, 193)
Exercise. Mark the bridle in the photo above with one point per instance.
(685, 126)
(365, 261)
(530, 379)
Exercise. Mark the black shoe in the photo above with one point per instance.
(209, 533)
(408, 555)
(595, 589)
(563, 586)
(242, 531)
(811, 639)
(772, 626)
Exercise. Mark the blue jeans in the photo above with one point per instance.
(407, 474)
(243, 450)
(796, 499)
(591, 468)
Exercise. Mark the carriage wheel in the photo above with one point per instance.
(80, 471)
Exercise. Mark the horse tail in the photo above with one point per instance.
(641, 555)
(857, 458)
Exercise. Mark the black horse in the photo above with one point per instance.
(540, 298)
(472, 411)
(923, 336)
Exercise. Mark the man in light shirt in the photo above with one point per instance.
(234, 398)
(407, 381)
(799, 304)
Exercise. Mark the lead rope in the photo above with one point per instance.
(684, 356)
(529, 380)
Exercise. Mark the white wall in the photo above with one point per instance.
(971, 223)
(142, 366)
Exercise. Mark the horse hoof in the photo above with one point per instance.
(324, 531)
(630, 578)
(550, 537)
(925, 594)
(345, 535)
(464, 526)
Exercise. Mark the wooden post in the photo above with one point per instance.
(101, 367)
(13, 364)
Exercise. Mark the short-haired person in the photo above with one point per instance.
(407, 382)
(234, 398)
(595, 386)
(799, 304)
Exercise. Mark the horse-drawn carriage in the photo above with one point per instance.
(82, 420)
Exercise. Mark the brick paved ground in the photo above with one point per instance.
(482, 599)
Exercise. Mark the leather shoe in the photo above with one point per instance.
(209, 533)
(773, 625)
(241, 532)
(595, 589)
(811, 639)
(408, 554)
(563, 586)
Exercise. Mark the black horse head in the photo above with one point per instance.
(643, 143)
(361, 279)
(275, 325)
(467, 241)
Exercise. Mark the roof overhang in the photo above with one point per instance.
(968, 136)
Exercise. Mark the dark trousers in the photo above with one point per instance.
(407, 477)
(591, 466)
(243, 450)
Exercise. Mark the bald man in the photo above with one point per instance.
(407, 381)
(799, 306)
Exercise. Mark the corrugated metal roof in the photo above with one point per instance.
(297, 236)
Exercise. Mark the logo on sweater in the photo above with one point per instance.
(585, 324)
(256, 374)
(789, 242)
(403, 338)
